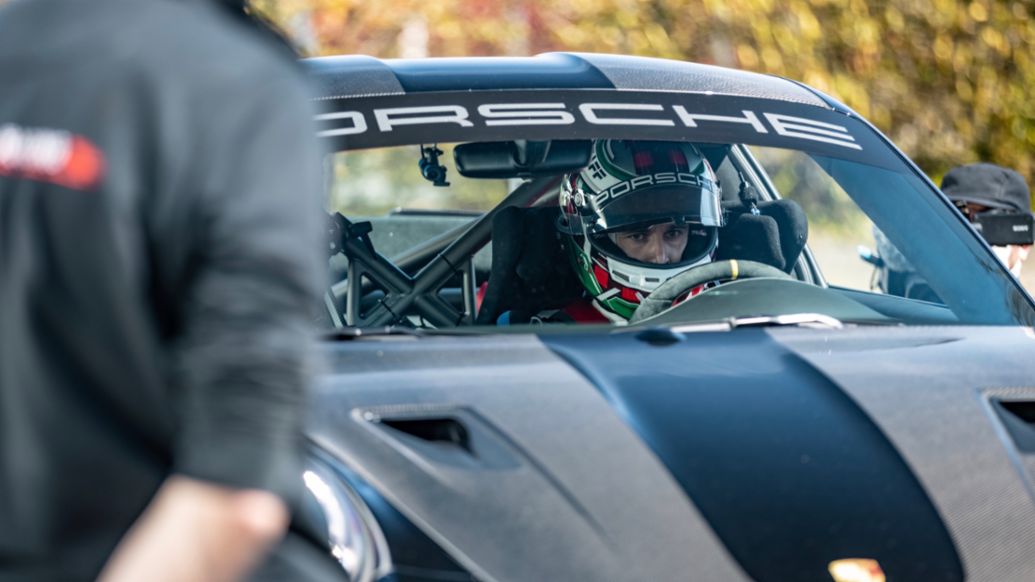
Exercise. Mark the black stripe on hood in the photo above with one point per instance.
(786, 468)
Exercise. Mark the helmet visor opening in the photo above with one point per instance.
(701, 242)
(616, 210)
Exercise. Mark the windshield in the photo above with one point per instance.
(502, 231)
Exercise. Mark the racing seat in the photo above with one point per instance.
(530, 270)
(775, 236)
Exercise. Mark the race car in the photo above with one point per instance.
(600, 317)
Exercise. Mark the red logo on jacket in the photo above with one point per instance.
(50, 155)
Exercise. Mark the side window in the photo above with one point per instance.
(837, 227)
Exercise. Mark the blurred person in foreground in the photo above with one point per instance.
(160, 224)
(997, 201)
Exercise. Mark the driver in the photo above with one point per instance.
(640, 213)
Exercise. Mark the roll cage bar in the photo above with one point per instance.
(414, 295)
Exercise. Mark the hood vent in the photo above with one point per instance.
(443, 430)
(1018, 418)
(454, 437)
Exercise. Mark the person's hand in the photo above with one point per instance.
(199, 532)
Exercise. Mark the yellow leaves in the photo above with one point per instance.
(962, 59)
(1018, 130)
(583, 6)
(896, 22)
(747, 57)
(858, 8)
(963, 89)
(627, 19)
(948, 79)
(991, 37)
(854, 95)
(942, 12)
(868, 33)
(818, 80)
(987, 91)
(943, 48)
(978, 11)
(772, 58)
(659, 40)
(867, 48)
(719, 10)
(808, 25)
(880, 115)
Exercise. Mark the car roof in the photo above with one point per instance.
(363, 76)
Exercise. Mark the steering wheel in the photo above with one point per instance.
(661, 298)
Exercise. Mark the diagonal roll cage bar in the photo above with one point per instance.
(416, 295)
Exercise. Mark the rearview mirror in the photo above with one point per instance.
(521, 158)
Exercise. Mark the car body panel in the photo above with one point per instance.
(547, 71)
(564, 479)
(789, 471)
(351, 76)
(929, 390)
(575, 482)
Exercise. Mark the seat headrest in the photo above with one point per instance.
(793, 228)
(775, 236)
(751, 237)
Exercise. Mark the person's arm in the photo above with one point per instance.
(193, 530)
(242, 357)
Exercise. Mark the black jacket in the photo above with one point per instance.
(160, 256)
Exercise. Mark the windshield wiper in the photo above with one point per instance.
(355, 333)
(810, 320)
(659, 335)
(807, 320)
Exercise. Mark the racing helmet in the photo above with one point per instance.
(631, 185)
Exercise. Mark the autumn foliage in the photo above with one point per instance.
(950, 82)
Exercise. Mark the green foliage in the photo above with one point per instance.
(950, 82)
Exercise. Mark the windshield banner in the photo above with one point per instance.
(449, 117)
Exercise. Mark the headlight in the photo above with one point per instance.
(353, 535)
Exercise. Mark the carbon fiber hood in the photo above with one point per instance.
(746, 454)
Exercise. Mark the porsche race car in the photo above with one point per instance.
(514, 391)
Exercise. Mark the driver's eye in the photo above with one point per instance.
(635, 236)
(676, 233)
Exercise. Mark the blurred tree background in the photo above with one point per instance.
(949, 81)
